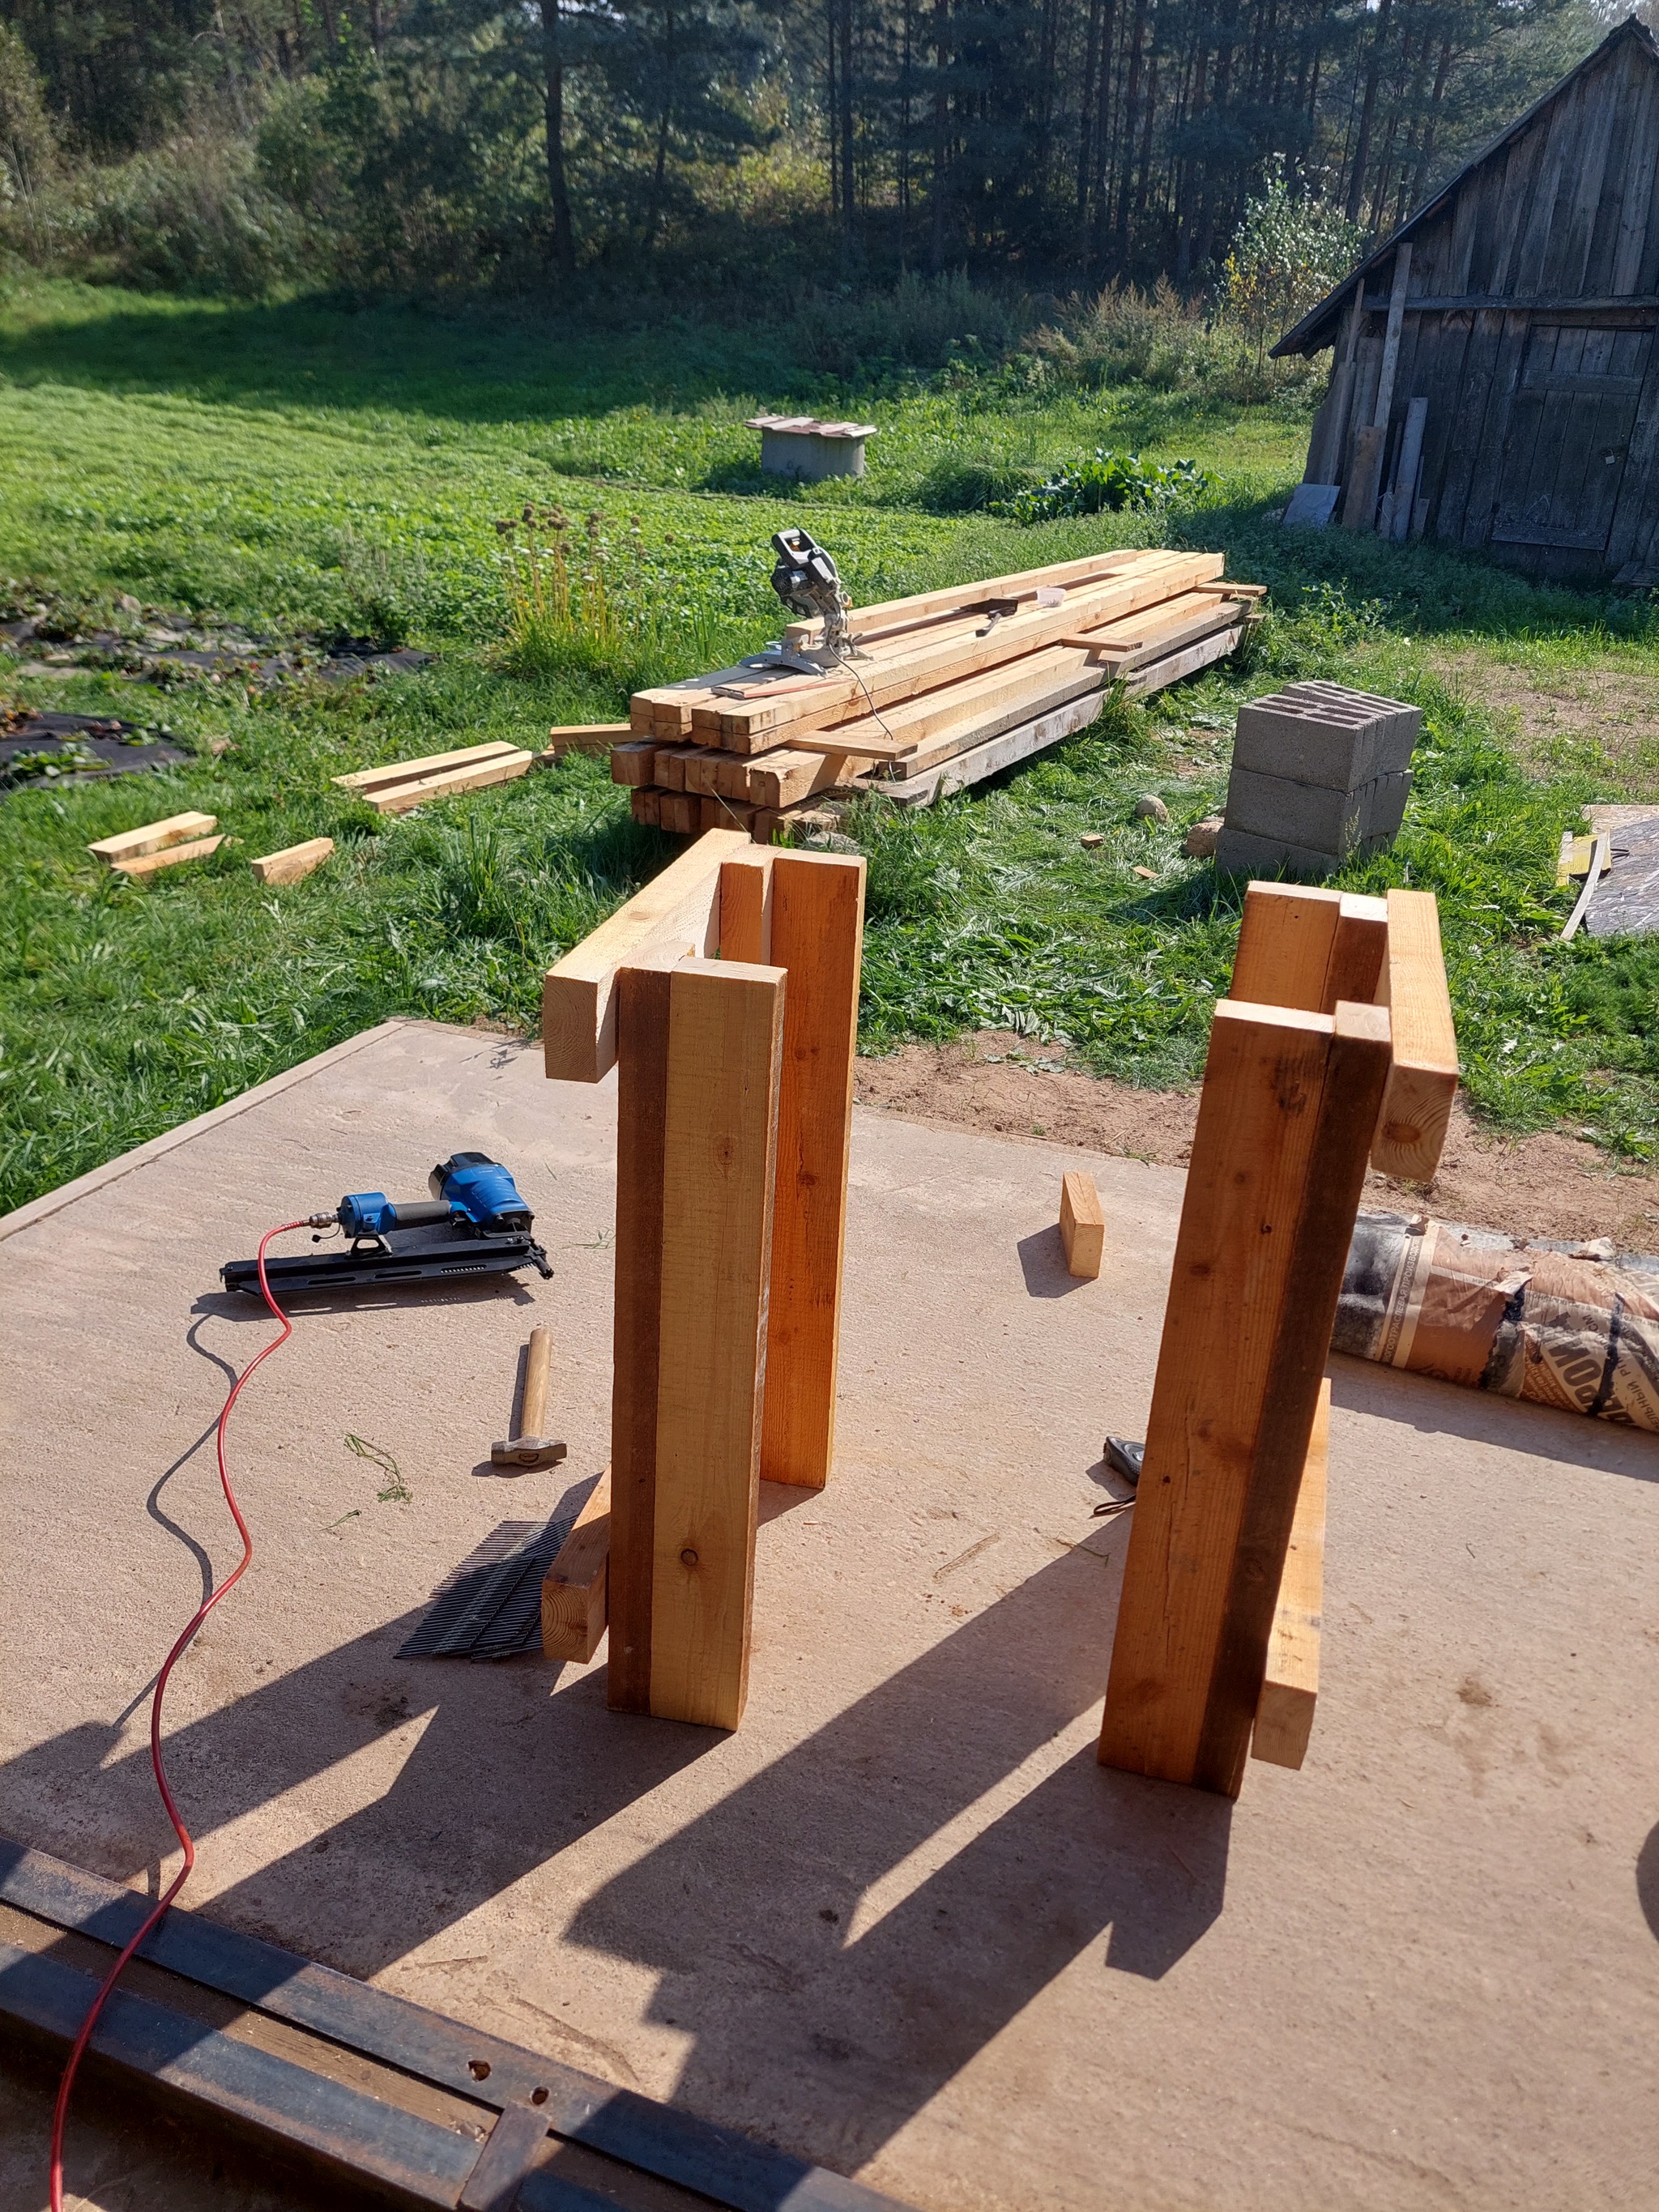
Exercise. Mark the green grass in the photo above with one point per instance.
(288, 467)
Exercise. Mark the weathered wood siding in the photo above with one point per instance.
(1529, 330)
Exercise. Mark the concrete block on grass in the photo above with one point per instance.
(1326, 734)
(1241, 852)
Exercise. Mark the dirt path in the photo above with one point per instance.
(1539, 1186)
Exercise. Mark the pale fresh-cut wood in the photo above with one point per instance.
(1290, 1690)
(148, 864)
(816, 938)
(152, 837)
(1082, 1225)
(575, 1588)
(1411, 1132)
(1285, 941)
(679, 908)
(294, 863)
(1358, 950)
(364, 780)
(479, 775)
(720, 1157)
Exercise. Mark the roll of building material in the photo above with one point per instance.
(1553, 1323)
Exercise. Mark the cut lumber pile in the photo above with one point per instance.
(158, 844)
(400, 785)
(979, 674)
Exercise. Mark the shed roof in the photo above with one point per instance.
(1317, 328)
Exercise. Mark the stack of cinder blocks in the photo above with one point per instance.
(1319, 773)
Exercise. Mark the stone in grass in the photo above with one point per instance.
(1149, 807)
(1199, 842)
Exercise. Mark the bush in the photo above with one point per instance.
(189, 216)
(922, 326)
(1108, 481)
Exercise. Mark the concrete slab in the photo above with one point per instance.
(901, 1921)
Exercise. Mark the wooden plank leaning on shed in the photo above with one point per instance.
(1290, 1692)
(1285, 1123)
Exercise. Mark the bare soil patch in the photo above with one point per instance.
(1545, 1185)
(1560, 718)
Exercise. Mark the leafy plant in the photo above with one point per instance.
(1285, 255)
(1110, 481)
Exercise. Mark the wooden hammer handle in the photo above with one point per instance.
(537, 1372)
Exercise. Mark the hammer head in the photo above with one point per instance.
(526, 1451)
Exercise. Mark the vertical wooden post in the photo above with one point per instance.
(1289, 1103)
(746, 911)
(1290, 1690)
(641, 998)
(1411, 1132)
(720, 1158)
(817, 937)
(1300, 945)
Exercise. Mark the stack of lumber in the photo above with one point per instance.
(948, 687)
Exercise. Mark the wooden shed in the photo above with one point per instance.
(1496, 384)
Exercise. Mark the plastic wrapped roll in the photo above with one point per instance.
(1547, 1322)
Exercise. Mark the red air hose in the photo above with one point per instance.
(61, 2114)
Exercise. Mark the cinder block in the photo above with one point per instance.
(1385, 809)
(1293, 813)
(1239, 853)
(1325, 734)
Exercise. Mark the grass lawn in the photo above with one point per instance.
(306, 468)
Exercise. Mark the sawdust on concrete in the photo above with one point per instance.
(1543, 1185)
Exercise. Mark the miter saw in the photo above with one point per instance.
(806, 580)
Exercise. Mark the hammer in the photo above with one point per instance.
(530, 1448)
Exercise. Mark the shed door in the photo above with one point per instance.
(1571, 422)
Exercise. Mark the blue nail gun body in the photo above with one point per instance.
(474, 1224)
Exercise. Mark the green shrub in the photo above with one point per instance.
(1108, 483)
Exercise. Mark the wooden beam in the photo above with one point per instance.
(584, 737)
(1302, 945)
(1411, 1132)
(677, 909)
(816, 938)
(633, 763)
(364, 780)
(1290, 1690)
(147, 864)
(574, 1588)
(480, 775)
(922, 606)
(1285, 941)
(294, 863)
(1289, 1102)
(745, 931)
(641, 1019)
(1082, 1225)
(154, 837)
(720, 1158)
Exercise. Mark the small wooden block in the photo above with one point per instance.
(294, 863)
(130, 844)
(575, 1588)
(1284, 1717)
(1411, 1129)
(1082, 1225)
(148, 863)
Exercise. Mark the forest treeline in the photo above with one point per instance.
(742, 148)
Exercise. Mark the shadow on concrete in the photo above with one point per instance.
(1042, 1263)
(744, 1912)
(1417, 1402)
